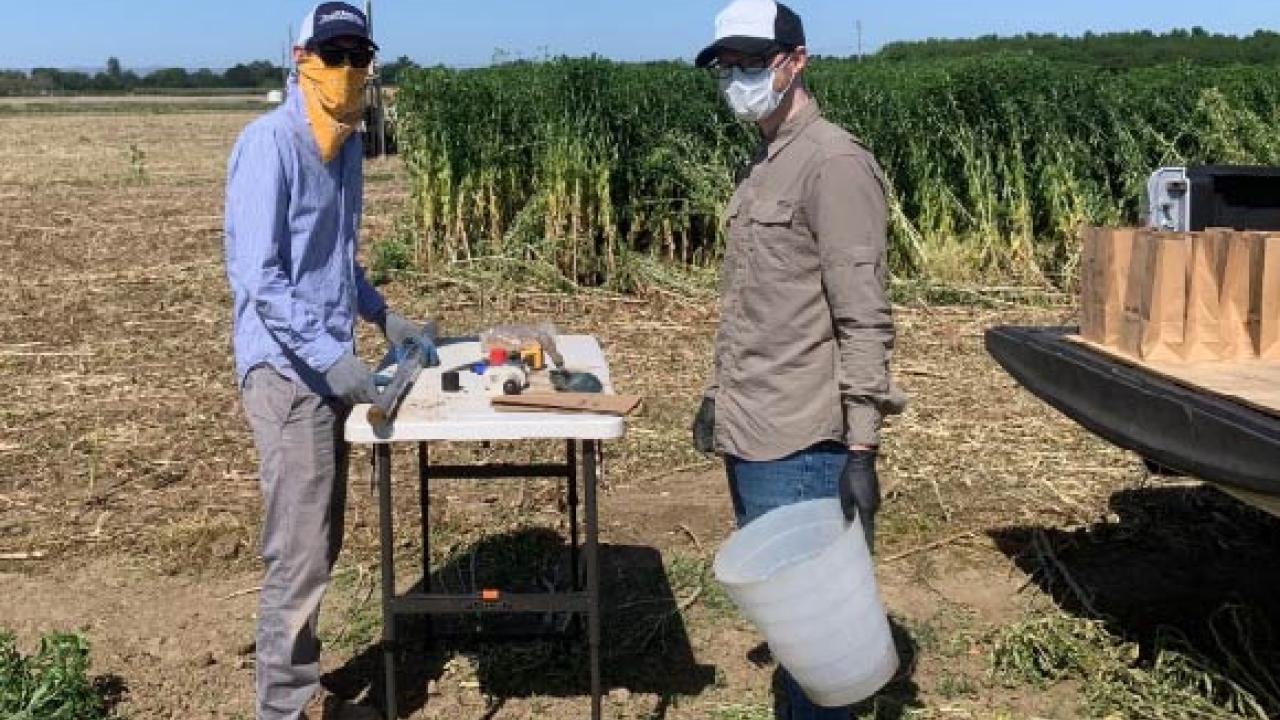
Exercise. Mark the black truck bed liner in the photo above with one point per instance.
(1191, 431)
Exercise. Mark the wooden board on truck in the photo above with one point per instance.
(1253, 383)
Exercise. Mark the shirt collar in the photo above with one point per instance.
(293, 101)
(793, 126)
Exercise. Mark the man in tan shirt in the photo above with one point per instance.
(801, 381)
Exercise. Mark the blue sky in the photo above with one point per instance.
(216, 33)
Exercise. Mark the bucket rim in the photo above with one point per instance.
(734, 578)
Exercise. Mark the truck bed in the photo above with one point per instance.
(1186, 429)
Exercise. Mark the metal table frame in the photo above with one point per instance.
(582, 600)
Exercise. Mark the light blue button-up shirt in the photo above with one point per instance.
(291, 227)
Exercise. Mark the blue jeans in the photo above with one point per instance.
(757, 488)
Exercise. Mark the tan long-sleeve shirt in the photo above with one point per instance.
(806, 331)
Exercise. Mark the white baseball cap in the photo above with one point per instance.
(754, 27)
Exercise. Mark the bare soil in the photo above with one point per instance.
(129, 500)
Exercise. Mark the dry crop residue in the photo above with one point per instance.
(127, 475)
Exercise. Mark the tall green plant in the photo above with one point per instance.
(575, 166)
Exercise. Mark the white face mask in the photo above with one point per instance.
(752, 97)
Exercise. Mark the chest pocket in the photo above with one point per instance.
(778, 244)
(773, 211)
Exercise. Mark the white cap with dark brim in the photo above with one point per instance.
(754, 27)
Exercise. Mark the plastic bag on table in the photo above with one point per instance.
(520, 340)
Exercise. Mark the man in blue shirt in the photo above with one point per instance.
(293, 207)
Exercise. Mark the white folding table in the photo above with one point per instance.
(431, 415)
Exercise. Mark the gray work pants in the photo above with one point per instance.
(304, 480)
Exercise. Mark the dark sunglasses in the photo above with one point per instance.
(334, 56)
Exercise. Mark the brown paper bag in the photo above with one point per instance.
(1119, 264)
(1236, 325)
(1205, 275)
(1165, 331)
(1269, 305)
(1136, 285)
(1155, 298)
(1104, 278)
(1094, 264)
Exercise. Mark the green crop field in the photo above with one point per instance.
(588, 171)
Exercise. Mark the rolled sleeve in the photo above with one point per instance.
(848, 212)
(258, 236)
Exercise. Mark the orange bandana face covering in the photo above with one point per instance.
(334, 99)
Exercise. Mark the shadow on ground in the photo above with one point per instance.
(113, 690)
(645, 645)
(1185, 562)
(902, 695)
(895, 701)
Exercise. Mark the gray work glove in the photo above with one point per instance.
(704, 427)
(860, 492)
(398, 329)
(350, 381)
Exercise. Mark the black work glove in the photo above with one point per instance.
(704, 427)
(350, 381)
(860, 491)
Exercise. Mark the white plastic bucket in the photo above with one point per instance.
(803, 575)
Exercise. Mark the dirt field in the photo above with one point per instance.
(129, 503)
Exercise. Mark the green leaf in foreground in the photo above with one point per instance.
(52, 684)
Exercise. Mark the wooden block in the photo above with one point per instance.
(570, 402)
(1269, 301)
(1205, 277)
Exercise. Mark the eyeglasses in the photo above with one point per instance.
(334, 56)
(752, 66)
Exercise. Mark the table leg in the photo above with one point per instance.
(382, 469)
(575, 582)
(590, 467)
(424, 505)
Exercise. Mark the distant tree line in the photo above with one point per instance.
(1111, 50)
(257, 75)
